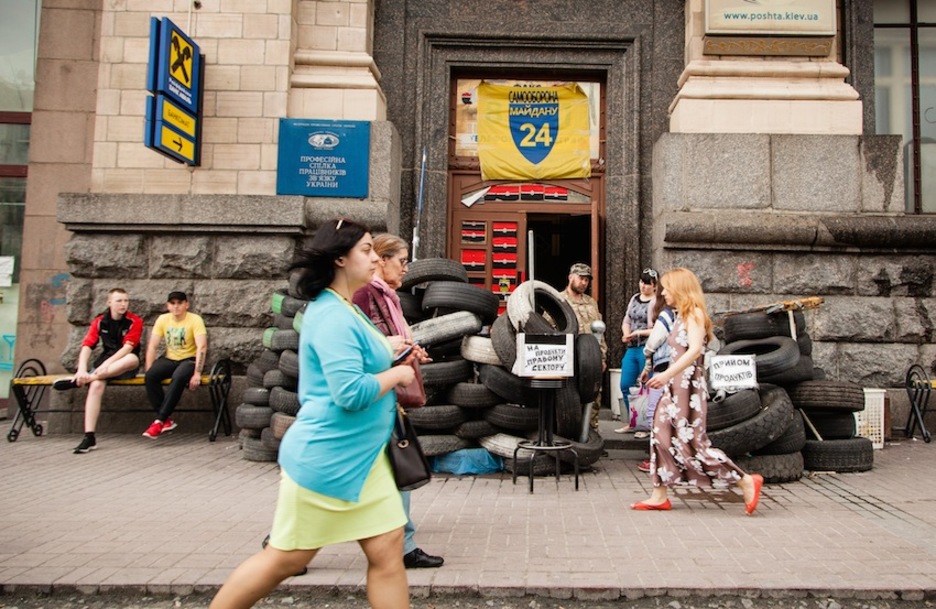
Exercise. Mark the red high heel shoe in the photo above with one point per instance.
(758, 483)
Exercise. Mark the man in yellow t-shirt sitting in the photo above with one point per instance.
(186, 347)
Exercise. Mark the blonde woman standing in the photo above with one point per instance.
(680, 451)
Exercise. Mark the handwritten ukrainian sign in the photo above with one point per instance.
(544, 355)
(175, 79)
(532, 132)
(323, 158)
(733, 372)
(765, 17)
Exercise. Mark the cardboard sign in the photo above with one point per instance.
(732, 372)
(544, 356)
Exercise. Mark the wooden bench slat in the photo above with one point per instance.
(48, 379)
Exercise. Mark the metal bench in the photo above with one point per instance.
(31, 381)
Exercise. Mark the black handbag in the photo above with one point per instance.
(410, 466)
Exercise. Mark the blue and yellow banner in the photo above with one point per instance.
(533, 132)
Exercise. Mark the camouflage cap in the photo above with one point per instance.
(580, 268)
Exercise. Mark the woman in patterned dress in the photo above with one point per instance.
(680, 451)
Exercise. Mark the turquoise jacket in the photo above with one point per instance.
(342, 424)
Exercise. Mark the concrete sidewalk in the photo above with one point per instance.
(177, 514)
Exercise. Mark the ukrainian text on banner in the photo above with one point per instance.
(533, 132)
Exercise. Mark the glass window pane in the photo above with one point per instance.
(14, 144)
(892, 82)
(12, 207)
(892, 11)
(928, 167)
(926, 11)
(18, 31)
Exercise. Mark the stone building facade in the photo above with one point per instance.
(761, 173)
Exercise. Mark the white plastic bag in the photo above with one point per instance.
(639, 398)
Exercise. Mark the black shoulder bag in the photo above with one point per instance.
(410, 466)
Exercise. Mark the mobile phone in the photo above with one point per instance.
(403, 354)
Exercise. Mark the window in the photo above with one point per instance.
(905, 90)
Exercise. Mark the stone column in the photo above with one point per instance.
(335, 75)
(767, 90)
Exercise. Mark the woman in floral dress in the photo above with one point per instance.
(680, 451)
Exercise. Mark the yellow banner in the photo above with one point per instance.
(533, 133)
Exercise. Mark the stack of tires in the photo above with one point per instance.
(763, 430)
(473, 397)
(270, 402)
(830, 408)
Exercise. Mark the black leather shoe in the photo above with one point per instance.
(417, 559)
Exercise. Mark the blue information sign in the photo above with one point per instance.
(323, 158)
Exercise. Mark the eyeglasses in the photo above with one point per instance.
(650, 272)
(404, 262)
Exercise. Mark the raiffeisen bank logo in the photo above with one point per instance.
(324, 140)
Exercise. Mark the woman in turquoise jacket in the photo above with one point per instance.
(336, 482)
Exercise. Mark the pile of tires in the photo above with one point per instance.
(270, 401)
(473, 397)
(763, 430)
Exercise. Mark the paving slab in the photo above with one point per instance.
(175, 515)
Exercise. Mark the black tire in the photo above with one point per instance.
(248, 416)
(828, 395)
(568, 409)
(772, 355)
(269, 440)
(254, 450)
(443, 374)
(512, 388)
(267, 361)
(280, 422)
(513, 417)
(472, 430)
(759, 431)
(752, 326)
(289, 363)
(285, 401)
(278, 378)
(411, 305)
(255, 376)
(447, 327)
(735, 408)
(462, 297)
(280, 340)
(588, 372)
(247, 433)
(445, 351)
(283, 322)
(831, 425)
(791, 441)
(805, 344)
(480, 350)
(801, 372)
(547, 300)
(433, 269)
(293, 289)
(854, 455)
(504, 340)
(472, 395)
(589, 452)
(543, 464)
(284, 304)
(256, 396)
(776, 469)
(437, 418)
(434, 445)
(297, 320)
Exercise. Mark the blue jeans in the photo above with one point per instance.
(409, 544)
(632, 364)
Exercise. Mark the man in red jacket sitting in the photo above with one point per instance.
(119, 331)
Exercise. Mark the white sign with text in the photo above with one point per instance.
(732, 372)
(545, 356)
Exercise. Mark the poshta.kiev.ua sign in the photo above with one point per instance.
(766, 17)
(532, 132)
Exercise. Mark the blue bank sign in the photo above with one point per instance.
(323, 158)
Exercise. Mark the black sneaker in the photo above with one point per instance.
(87, 445)
(66, 383)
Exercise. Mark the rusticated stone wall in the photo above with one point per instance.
(765, 218)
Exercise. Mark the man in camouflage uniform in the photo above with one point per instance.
(586, 311)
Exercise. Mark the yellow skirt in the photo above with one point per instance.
(306, 520)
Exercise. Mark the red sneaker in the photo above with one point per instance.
(169, 425)
(644, 466)
(152, 432)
